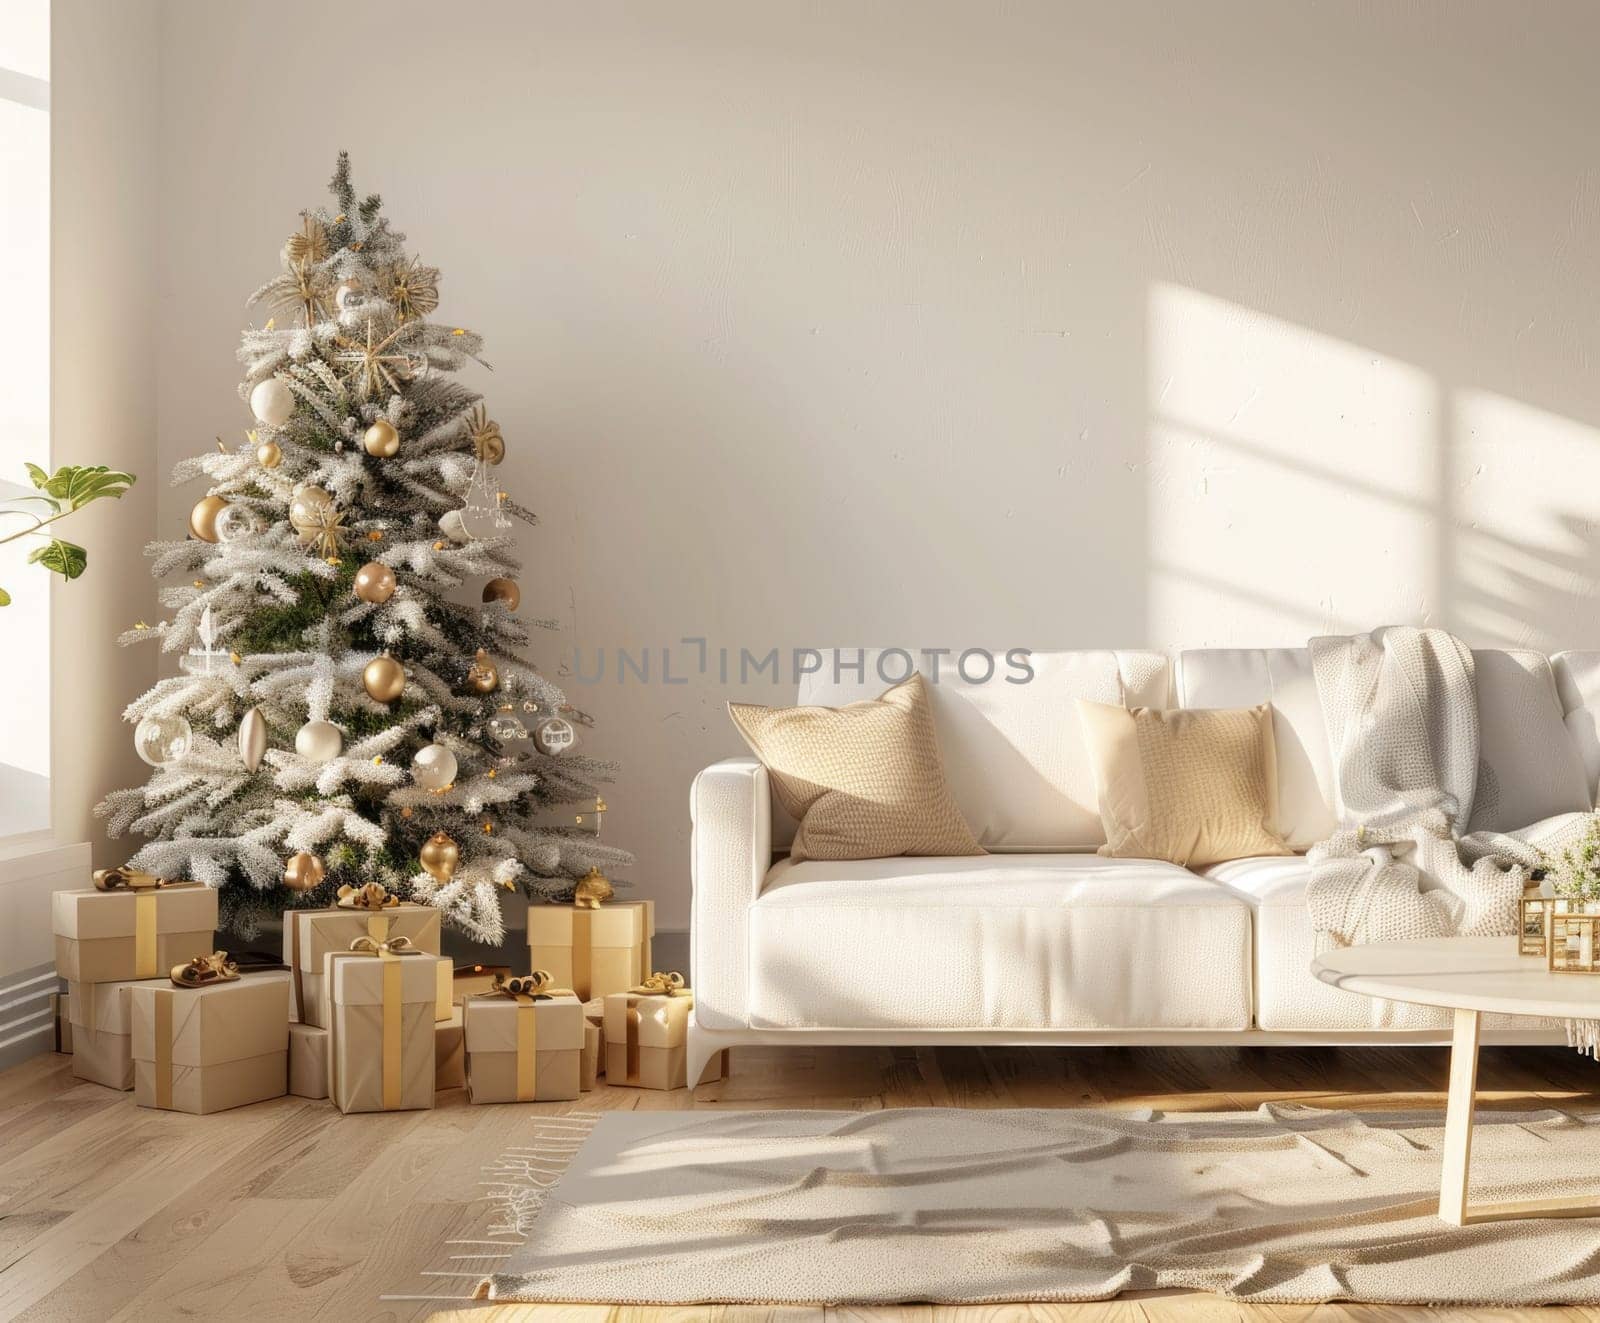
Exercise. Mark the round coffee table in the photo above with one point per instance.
(1471, 976)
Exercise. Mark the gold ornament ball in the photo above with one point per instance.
(483, 676)
(304, 872)
(203, 518)
(440, 855)
(375, 582)
(384, 678)
(503, 590)
(269, 454)
(382, 440)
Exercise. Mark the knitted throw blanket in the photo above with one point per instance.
(1401, 711)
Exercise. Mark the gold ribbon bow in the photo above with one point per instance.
(373, 896)
(670, 984)
(217, 967)
(533, 987)
(126, 878)
(393, 946)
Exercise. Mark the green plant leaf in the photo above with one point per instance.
(67, 559)
(5, 597)
(78, 484)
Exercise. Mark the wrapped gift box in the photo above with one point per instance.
(213, 1047)
(309, 936)
(523, 1050)
(117, 936)
(593, 952)
(647, 1041)
(379, 1009)
(450, 1052)
(100, 1019)
(308, 1061)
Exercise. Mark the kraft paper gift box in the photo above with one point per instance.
(100, 1019)
(450, 1052)
(308, 1061)
(647, 1041)
(309, 935)
(523, 1050)
(209, 1048)
(593, 952)
(116, 936)
(380, 1012)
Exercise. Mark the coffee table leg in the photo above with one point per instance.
(1458, 1119)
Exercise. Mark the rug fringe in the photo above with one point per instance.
(1585, 1036)
(515, 1186)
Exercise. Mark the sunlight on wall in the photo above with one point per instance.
(1293, 479)
(1523, 568)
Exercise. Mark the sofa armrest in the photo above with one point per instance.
(730, 810)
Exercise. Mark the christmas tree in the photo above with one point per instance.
(353, 703)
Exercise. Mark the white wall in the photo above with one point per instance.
(927, 323)
(107, 332)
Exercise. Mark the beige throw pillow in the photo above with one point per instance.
(865, 781)
(1194, 786)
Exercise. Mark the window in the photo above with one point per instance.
(24, 408)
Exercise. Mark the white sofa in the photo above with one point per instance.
(1042, 941)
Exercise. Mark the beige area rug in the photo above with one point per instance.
(1284, 1204)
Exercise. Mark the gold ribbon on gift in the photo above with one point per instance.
(144, 886)
(372, 896)
(390, 952)
(163, 1032)
(669, 984)
(217, 967)
(527, 992)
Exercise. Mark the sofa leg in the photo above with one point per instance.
(701, 1049)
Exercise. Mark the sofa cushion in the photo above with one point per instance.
(1578, 685)
(864, 779)
(1188, 785)
(1534, 768)
(1243, 677)
(1013, 754)
(1289, 998)
(1025, 941)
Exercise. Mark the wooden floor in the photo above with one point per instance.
(287, 1210)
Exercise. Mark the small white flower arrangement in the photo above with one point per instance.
(1574, 874)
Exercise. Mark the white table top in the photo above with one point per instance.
(1465, 973)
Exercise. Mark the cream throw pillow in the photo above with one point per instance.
(1194, 786)
(864, 781)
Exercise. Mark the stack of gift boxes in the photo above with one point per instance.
(364, 1011)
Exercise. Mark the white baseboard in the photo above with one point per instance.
(30, 873)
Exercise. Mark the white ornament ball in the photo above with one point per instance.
(306, 507)
(451, 525)
(434, 767)
(234, 522)
(318, 741)
(554, 735)
(272, 402)
(161, 740)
